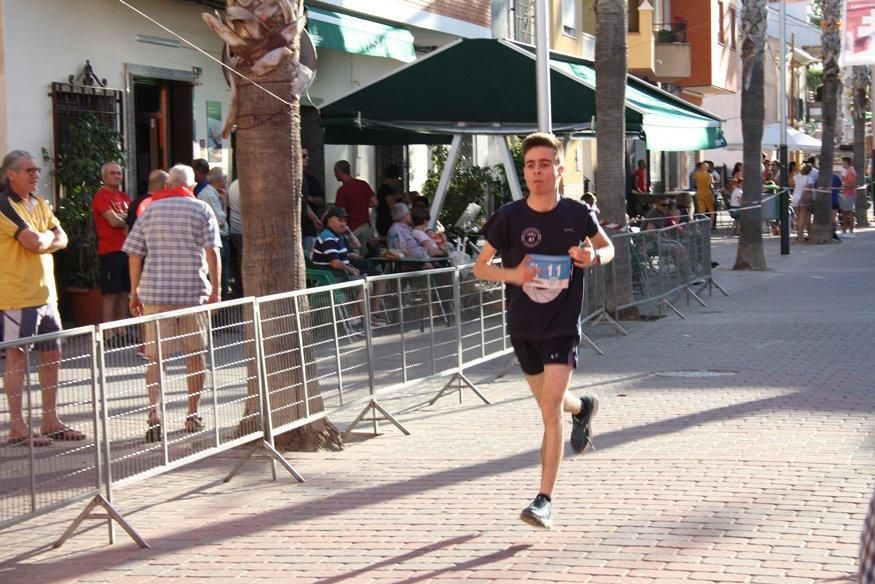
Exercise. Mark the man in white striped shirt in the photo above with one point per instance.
(180, 236)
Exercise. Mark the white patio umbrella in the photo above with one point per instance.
(796, 140)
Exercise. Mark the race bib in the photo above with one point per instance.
(554, 272)
(554, 275)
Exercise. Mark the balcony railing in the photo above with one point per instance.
(670, 32)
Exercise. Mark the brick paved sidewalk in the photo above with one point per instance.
(757, 469)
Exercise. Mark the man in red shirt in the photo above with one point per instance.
(848, 197)
(356, 196)
(110, 207)
(641, 184)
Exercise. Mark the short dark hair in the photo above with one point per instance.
(200, 165)
(419, 215)
(392, 171)
(542, 139)
(848, 159)
(342, 166)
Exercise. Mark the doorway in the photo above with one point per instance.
(163, 126)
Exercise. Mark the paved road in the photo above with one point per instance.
(754, 466)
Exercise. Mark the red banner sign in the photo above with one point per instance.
(858, 38)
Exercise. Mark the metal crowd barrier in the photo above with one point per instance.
(37, 479)
(652, 268)
(153, 393)
(594, 309)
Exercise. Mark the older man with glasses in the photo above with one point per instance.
(29, 234)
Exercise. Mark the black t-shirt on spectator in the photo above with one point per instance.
(384, 213)
(310, 187)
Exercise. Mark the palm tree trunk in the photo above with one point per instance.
(610, 104)
(264, 42)
(861, 106)
(821, 231)
(750, 241)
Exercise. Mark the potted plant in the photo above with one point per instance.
(90, 143)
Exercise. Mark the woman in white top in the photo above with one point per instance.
(735, 202)
(800, 202)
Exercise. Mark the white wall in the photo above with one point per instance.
(48, 40)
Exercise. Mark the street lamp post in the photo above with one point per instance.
(542, 62)
(783, 198)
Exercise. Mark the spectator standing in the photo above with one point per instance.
(180, 237)
(704, 193)
(235, 237)
(110, 209)
(316, 194)
(29, 235)
(735, 202)
(642, 185)
(848, 195)
(215, 194)
(815, 170)
(157, 182)
(201, 168)
(387, 196)
(357, 198)
(543, 315)
(801, 201)
(312, 200)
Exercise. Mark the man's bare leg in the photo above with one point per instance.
(550, 390)
(196, 366)
(13, 382)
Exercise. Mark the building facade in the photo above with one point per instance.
(155, 73)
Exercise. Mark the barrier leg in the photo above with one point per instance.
(463, 381)
(111, 514)
(374, 407)
(275, 456)
(712, 283)
(604, 316)
(670, 305)
(695, 296)
(589, 342)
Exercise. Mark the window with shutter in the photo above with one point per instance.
(569, 17)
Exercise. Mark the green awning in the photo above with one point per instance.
(487, 86)
(335, 30)
(668, 124)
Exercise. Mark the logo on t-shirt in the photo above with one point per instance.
(531, 237)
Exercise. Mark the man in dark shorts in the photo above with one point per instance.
(29, 234)
(110, 209)
(542, 263)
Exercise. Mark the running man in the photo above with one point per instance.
(539, 240)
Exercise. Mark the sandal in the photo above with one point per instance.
(153, 434)
(65, 433)
(36, 439)
(193, 423)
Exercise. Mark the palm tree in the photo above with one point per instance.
(610, 100)
(754, 23)
(263, 44)
(861, 106)
(821, 231)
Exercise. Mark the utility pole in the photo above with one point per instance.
(784, 197)
(542, 63)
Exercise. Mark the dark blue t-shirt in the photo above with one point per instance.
(516, 231)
